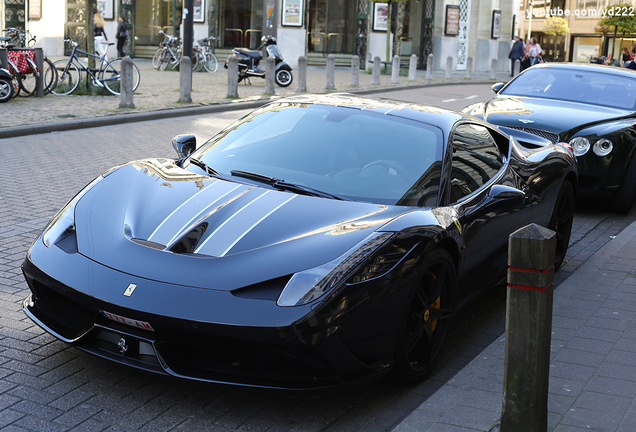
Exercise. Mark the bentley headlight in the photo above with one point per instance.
(603, 147)
(63, 223)
(308, 285)
(580, 145)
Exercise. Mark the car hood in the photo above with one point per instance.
(556, 116)
(229, 234)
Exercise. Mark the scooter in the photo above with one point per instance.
(249, 60)
(6, 85)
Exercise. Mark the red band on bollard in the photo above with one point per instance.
(530, 270)
(530, 287)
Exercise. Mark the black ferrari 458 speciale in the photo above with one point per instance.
(317, 241)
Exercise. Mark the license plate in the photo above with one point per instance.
(128, 321)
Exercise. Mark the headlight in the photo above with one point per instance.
(63, 223)
(308, 285)
(580, 145)
(603, 147)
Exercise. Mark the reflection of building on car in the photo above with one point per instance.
(296, 249)
(589, 106)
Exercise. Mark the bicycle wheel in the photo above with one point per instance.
(164, 60)
(111, 77)
(68, 77)
(156, 57)
(50, 76)
(29, 80)
(195, 61)
(211, 64)
(17, 84)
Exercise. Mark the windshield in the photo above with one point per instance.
(589, 87)
(356, 154)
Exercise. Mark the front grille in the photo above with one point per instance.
(63, 310)
(554, 138)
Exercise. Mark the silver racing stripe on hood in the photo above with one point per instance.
(225, 241)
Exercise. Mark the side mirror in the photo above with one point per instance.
(184, 145)
(497, 86)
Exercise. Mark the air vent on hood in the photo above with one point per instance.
(189, 242)
(554, 138)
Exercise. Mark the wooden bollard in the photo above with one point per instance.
(493, 69)
(302, 74)
(376, 71)
(429, 67)
(126, 84)
(232, 77)
(331, 72)
(270, 74)
(395, 70)
(531, 251)
(185, 79)
(412, 67)
(355, 71)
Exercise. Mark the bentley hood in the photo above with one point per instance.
(552, 115)
(153, 219)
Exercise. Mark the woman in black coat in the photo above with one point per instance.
(121, 36)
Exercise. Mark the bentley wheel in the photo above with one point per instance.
(561, 221)
(428, 319)
(624, 198)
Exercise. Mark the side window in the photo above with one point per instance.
(476, 159)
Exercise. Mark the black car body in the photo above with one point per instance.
(593, 107)
(209, 267)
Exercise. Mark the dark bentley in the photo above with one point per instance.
(317, 241)
(592, 107)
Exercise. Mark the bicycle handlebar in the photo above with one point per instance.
(71, 41)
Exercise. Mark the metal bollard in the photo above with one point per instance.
(331, 72)
(376, 71)
(449, 67)
(355, 71)
(531, 251)
(517, 67)
(126, 84)
(429, 67)
(412, 67)
(185, 79)
(232, 77)
(395, 70)
(270, 74)
(302, 74)
(469, 68)
(493, 69)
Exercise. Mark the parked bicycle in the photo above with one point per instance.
(205, 55)
(168, 55)
(107, 75)
(22, 63)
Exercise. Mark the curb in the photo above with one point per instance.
(16, 131)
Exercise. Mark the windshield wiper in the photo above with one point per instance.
(283, 185)
(208, 169)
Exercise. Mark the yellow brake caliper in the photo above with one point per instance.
(435, 305)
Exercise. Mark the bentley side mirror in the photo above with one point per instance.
(184, 145)
(497, 86)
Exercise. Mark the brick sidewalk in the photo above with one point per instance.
(160, 91)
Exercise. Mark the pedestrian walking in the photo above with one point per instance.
(535, 52)
(100, 36)
(122, 34)
(516, 53)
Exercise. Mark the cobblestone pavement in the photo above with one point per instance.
(160, 91)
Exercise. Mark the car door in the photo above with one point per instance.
(488, 205)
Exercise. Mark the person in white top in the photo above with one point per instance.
(535, 51)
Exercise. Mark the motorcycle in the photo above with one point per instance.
(249, 62)
(6, 85)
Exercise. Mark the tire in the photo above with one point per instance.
(427, 320)
(67, 78)
(6, 90)
(50, 76)
(561, 221)
(283, 77)
(211, 63)
(194, 62)
(114, 70)
(28, 83)
(164, 60)
(624, 198)
(156, 57)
